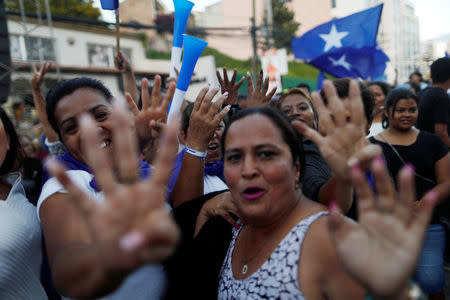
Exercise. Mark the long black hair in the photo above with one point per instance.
(14, 156)
(391, 102)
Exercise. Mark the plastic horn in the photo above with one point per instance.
(182, 11)
(193, 48)
(109, 4)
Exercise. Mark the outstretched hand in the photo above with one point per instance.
(258, 96)
(230, 86)
(131, 227)
(381, 250)
(343, 142)
(205, 118)
(154, 111)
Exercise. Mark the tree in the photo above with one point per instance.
(71, 8)
(284, 25)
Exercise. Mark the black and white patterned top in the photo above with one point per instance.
(277, 277)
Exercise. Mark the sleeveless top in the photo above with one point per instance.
(277, 278)
(20, 245)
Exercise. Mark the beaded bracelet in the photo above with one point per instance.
(196, 153)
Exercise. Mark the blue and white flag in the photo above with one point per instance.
(356, 30)
(362, 62)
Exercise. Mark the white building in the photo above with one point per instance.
(398, 34)
(83, 50)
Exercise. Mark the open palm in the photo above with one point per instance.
(131, 227)
(381, 250)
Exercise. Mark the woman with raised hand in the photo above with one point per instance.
(425, 154)
(20, 233)
(102, 224)
(201, 132)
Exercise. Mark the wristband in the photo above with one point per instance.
(196, 153)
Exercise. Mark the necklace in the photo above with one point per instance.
(244, 269)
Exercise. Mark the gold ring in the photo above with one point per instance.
(129, 179)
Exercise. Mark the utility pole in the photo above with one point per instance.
(255, 47)
(269, 21)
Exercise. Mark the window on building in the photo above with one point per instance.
(103, 56)
(31, 48)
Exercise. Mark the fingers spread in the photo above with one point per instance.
(406, 194)
(144, 94)
(363, 191)
(384, 186)
(169, 96)
(94, 146)
(164, 161)
(156, 91)
(225, 76)
(199, 100)
(325, 121)
(356, 105)
(335, 105)
(131, 104)
(124, 143)
(233, 78)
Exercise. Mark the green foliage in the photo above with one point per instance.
(298, 72)
(284, 26)
(223, 60)
(153, 54)
(70, 8)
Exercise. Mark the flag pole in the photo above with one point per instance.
(117, 30)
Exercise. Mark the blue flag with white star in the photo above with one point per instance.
(356, 30)
(362, 62)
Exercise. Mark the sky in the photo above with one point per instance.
(434, 15)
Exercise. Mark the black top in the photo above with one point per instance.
(423, 154)
(193, 270)
(316, 171)
(434, 108)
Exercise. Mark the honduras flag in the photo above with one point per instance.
(353, 62)
(356, 30)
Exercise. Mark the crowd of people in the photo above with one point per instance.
(336, 194)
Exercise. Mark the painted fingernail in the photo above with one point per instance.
(131, 241)
(227, 108)
(225, 94)
(236, 226)
(379, 160)
(334, 207)
(410, 167)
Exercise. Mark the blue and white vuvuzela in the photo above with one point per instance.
(182, 11)
(193, 48)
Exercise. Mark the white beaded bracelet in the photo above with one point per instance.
(196, 153)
